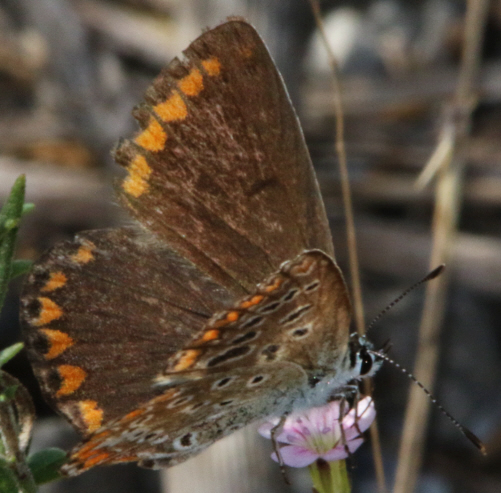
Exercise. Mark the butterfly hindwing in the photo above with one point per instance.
(300, 314)
(101, 315)
(184, 420)
(220, 170)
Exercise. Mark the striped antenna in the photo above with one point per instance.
(465, 431)
(432, 275)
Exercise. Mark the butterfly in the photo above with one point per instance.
(223, 303)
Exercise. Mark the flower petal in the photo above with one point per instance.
(291, 435)
(294, 456)
(265, 429)
(339, 452)
(363, 416)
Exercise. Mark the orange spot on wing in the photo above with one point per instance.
(192, 84)
(136, 182)
(59, 342)
(72, 376)
(172, 109)
(252, 302)
(187, 360)
(49, 311)
(209, 335)
(230, 317)
(275, 285)
(93, 417)
(84, 254)
(212, 66)
(133, 414)
(85, 451)
(81, 456)
(101, 435)
(56, 280)
(153, 137)
(98, 459)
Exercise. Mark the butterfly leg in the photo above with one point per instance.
(355, 404)
(274, 432)
(343, 435)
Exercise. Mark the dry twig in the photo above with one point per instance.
(448, 193)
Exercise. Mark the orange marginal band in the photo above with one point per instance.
(193, 83)
(174, 108)
(212, 66)
(49, 311)
(136, 182)
(210, 335)
(72, 376)
(98, 459)
(57, 280)
(253, 301)
(187, 360)
(91, 414)
(153, 137)
(59, 342)
(275, 285)
(84, 254)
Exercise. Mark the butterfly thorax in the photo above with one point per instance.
(326, 384)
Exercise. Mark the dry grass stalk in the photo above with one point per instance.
(448, 194)
(350, 231)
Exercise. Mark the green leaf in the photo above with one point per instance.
(8, 481)
(10, 216)
(11, 224)
(9, 352)
(45, 464)
(9, 393)
(27, 208)
(20, 267)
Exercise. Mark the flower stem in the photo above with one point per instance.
(330, 477)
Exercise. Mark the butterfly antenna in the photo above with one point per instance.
(432, 275)
(465, 431)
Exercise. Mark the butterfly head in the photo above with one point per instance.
(363, 360)
(359, 361)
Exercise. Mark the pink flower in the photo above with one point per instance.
(316, 433)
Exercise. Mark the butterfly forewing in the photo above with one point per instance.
(101, 316)
(221, 171)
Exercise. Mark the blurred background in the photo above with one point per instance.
(70, 74)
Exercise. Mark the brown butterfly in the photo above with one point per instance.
(224, 304)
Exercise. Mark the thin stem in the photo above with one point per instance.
(330, 477)
(350, 229)
(448, 194)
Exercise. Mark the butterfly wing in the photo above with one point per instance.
(102, 313)
(248, 362)
(220, 170)
(183, 421)
(300, 314)
(117, 320)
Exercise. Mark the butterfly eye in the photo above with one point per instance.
(313, 380)
(366, 365)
